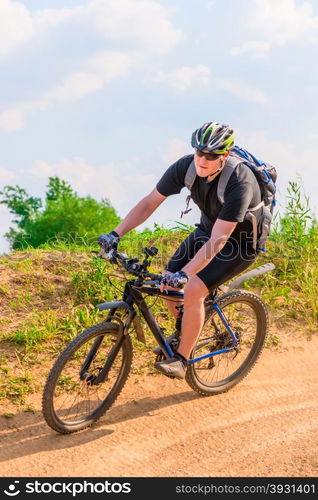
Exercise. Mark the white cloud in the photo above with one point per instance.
(144, 21)
(142, 24)
(278, 23)
(210, 4)
(110, 65)
(174, 150)
(188, 78)
(16, 26)
(11, 120)
(183, 78)
(111, 180)
(313, 138)
(5, 176)
(52, 18)
(101, 181)
(19, 26)
(102, 68)
(74, 87)
(240, 89)
(254, 49)
(284, 21)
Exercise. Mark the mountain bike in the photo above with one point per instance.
(91, 371)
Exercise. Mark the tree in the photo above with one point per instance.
(58, 189)
(65, 216)
(25, 207)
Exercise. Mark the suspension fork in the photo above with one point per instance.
(97, 342)
(128, 298)
(109, 361)
(93, 350)
(90, 356)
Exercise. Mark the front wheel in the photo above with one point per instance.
(247, 315)
(86, 378)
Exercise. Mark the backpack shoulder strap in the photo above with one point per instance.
(188, 182)
(190, 176)
(231, 163)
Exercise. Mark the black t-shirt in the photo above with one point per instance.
(242, 192)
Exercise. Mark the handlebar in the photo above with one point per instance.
(132, 265)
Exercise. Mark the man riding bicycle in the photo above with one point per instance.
(219, 248)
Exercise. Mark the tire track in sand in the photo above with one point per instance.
(265, 426)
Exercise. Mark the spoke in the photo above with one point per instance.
(71, 406)
(64, 400)
(242, 319)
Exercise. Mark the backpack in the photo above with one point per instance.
(266, 176)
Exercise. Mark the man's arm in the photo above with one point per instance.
(140, 212)
(221, 232)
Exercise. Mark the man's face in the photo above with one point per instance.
(205, 167)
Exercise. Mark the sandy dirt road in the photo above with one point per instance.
(266, 426)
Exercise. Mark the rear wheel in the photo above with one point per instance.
(76, 394)
(248, 318)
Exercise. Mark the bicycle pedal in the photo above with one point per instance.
(173, 341)
(160, 357)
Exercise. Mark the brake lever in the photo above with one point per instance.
(111, 256)
(134, 268)
(108, 256)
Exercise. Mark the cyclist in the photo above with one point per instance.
(219, 248)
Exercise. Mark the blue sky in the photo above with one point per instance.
(106, 93)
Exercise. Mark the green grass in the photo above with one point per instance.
(16, 388)
(291, 290)
(47, 326)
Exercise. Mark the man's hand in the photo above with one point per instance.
(175, 280)
(109, 241)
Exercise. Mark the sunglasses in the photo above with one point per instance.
(207, 156)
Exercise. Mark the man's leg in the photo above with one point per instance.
(192, 323)
(171, 305)
(193, 315)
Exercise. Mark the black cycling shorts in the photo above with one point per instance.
(234, 258)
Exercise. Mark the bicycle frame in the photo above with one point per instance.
(103, 352)
(133, 295)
